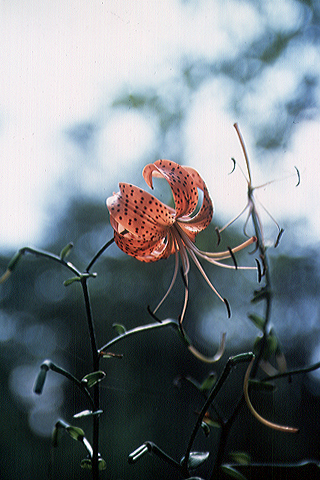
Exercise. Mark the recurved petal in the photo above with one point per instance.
(151, 251)
(140, 213)
(181, 181)
(203, 218)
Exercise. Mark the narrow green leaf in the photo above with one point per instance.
(11, 266)
(270, 346)
(86, 464)
(206, 429)
(257, 320)
(262, 386)
(75, 432)
(212, 423)
(87, 413)
(102, 464)
(111, 355)
(14, 260)
(259, 295)
(232, 472)
(194, 478)
(196, 459)
(68, 282)
(241, 457)
(66, 250)
(93, 378)
(208, 383)
(120, 329)
(41, 378)
(138, 453)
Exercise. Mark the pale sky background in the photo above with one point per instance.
(63, 63)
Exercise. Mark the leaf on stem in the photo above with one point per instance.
(206, 429)
(241, 457)
(110, 354)
(86, 463)
(208, 382)
(75, 432)
(270, 346)
(232, 472)
(138, 453)
(11, 266)
(68, 282)
(93, 378)
(66, 250)
(258, 321)
(262, 386)
(120, 329)
(196, 459)
(41, 378)
(87, 413)
(259, 295)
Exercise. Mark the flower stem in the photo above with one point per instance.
(143, 328)
(231, 363)
(96, 389)
(99, 253)
(50, 256)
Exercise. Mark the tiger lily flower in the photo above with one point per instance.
(150, 230)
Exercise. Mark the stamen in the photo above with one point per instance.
(153, 314)
(218, 235)
(171, 284)
(298, 174)
(183, 277)
(217, 355)
(233, 258)
(228, 307)
(259, 270)
(234, 219)
(278, 237)
(203, 273)
(234, 166)
(186, 296)
(265, 422)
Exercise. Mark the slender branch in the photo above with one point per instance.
(290, 373)
(150, 447)
(232, 361)
(50, 256)
(90, 324)
(48, 365)
(143, 328)
(99, 253)
(96, 389)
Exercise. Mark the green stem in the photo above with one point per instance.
(48, 365)
(99, 253)
(232, 361)
(268, 296)
(298, 371)
(96, 389)
(50, 256)
(143, 328)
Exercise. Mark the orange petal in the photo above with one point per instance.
(203, 218)
(151, 251)
(182, 183)
(139, 212)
